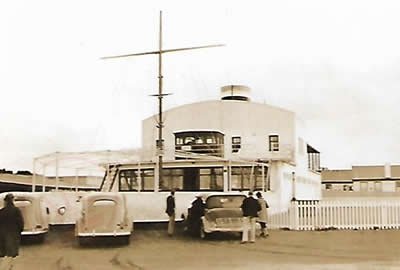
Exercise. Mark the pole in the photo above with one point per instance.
(160, 120)
(160, 95)
(293, 186)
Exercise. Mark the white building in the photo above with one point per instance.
(226, 145)
(231, 144)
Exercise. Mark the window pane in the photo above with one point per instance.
(172, 179)
(236, 140)
(128, 180)
(148, 180)
(205, 182)
(273, 143)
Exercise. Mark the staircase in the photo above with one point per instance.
(109, 178)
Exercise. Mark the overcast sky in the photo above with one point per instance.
(335, 63)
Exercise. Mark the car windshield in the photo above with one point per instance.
(221, 201)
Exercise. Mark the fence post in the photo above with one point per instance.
(294, 216)
(384, 215)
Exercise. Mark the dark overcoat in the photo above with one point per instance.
(11, 226)
(170, 205)
(250, 207)
(194, 217)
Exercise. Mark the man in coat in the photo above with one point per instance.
(263, 214)
(250, 208)
(11, 226)
(171, 212)
(195, 214)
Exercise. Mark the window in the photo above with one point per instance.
(363, 186)
(210, 140)
(199, 140)
(236, 144)
(273, 143)
(129, 180)
(189, 140)
(178, 141)
(378, 186)
(172, 179)
(192, 179)
(246, 178)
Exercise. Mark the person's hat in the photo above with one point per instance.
(250, 193)
(199, 195)
(9, 197)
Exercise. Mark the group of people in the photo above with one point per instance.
(11, 226)
(254, 210)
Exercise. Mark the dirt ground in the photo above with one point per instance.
(151, 248)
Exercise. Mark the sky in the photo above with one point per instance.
(336, 64)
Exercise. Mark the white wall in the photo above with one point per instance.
(252, 121)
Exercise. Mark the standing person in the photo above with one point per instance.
(262, 214)
(196, 212)
(11, 226)
(250, 208)
(171, 212)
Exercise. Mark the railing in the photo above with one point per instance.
(207, 149)
(285, 152)
(335, 214)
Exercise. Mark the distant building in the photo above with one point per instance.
(363, 179)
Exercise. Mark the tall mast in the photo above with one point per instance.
(160, 143)
(160, 95)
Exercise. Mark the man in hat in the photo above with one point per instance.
(11, 226)
(250, 208)
(196, 211)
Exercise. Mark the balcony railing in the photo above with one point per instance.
(216, 150)
(285, 152)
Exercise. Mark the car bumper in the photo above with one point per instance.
(111, 234)
(38, 232)
(216, 229)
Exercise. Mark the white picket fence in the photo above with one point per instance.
(334, 214)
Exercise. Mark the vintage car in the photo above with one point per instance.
(222, 214)
(34, 212)
(103, 214)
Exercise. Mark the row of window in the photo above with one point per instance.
(273, 141)
(193, 179)
(365, 186)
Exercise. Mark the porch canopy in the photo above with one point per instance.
(69, 167)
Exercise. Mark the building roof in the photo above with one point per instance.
(336, 176)
(395, 171)
(369, 172)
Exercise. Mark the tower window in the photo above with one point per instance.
(273, 142)
(236, 144)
